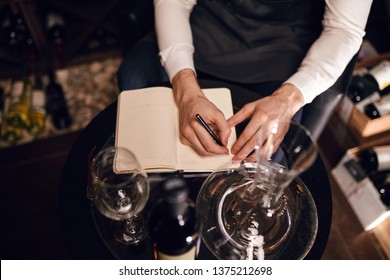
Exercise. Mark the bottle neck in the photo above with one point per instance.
(1, 103)
(385, 92)
(177, 210)
(52, 77)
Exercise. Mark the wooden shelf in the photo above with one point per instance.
(346, 230)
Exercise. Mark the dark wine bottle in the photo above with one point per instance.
(375, 80)
(173, 223)
(375, 159)
(381, 107)
(55, 27)
(384, 192)
(14, 29)
(381, 181)
(374, 97)
(56, 104)
(8, 29)
(1, 105)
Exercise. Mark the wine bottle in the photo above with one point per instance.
(375, 159)
(1, 105)
(173, 223)
(384, 192)
(376, 79)
(55, 27)
(8, 133)
(374, 97)
(56, 104)
(7, 29)
(14, 28)
(20, 29)
(18, 111)
(379, 108)
(381, 181)
(38, 111)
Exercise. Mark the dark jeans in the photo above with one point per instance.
(141, 67)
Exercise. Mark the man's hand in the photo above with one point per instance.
(190, 101)
(281, 105)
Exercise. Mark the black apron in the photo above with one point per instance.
(252, 41)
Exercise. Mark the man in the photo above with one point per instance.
(290, 51)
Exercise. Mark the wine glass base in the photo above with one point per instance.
(130, 231)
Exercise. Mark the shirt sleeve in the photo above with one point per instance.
(174, 34)
(343, 30)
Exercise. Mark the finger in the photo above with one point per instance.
(252, 157)
(277, 143)
(245, 150)
(188, 137)
(224, 129)
(241, 115)
(195, 144)
(248, 133)
(208, 143)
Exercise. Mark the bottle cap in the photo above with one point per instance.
(175, 190)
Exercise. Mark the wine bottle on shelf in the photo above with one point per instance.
(31, 52)
(56, 104)
(1, 106)
(18, 111)
(173, 223)
(380, 107)
(375, 80)
(384, 192)
(7, 30)
(381, 181)
(374, 97)
(375, 159)
(20, 29)
(14, 28)
(38, 111)
(8, 133)
(55, 27)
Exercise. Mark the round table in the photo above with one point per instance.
(81, 224)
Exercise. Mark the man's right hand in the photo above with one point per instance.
(190, 101)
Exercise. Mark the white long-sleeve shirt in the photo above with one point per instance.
(343, 23)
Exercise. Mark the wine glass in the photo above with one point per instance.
(261, 210)
(121, 191)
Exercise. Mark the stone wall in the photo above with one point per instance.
(89, 88)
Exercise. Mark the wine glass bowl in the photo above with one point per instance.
(262, 210)
(120, 195)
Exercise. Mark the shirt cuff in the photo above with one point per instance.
(309, 90)
(176, 58)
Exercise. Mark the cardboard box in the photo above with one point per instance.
(359, 190)
(360, 193)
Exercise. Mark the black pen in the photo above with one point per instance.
(215, 137)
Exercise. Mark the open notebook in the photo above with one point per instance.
(148, 125)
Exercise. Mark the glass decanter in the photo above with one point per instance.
(262, 210)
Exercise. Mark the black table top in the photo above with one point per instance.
(78, 220)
